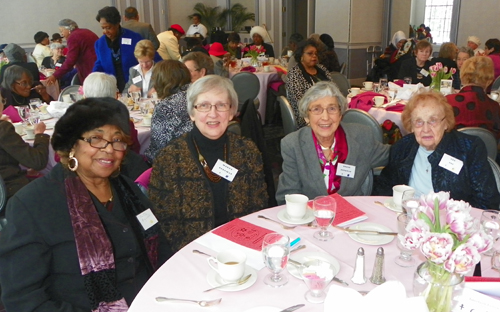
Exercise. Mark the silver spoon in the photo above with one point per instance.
(201, 252)
(286, 227)
(202, 303)
(241, 281)
(298, 248)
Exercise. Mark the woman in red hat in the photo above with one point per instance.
(221, 59)
(169, 42)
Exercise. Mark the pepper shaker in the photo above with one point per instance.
(359, 269)
(378, 268)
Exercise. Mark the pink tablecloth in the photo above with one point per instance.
(185, 274)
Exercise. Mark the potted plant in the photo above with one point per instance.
(211, 17)
(240, 16)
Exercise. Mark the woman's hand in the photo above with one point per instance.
(134, 88)
(51, 80)
(40, 127)
(40, 89)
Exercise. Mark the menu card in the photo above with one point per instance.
(243, 233)
(346, 214)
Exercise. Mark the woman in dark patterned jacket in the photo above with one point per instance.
(189, 198)
(434, 157)
(304, 75)
(170, 117)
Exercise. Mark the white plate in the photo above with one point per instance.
(389, 204)
(264, 309)
(308, 217)
(371, 239)
(311, 255)
(215, 280)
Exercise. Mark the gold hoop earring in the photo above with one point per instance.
(72, 158)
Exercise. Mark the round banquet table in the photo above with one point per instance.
(185, 274)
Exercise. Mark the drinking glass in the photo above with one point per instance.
(136, 96)
(490, 221)
(410, 201)
(35, 103)
(145, 105)
(275, 250)
(317, 274)
(383, 84)
(325, 209)
(405, 258)
(495, 260)
(407, 80)
(34, 117)
(24, 112)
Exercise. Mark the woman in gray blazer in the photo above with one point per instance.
(140, 75)
(327, 156)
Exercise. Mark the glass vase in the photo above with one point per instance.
(440, 288)
(254, 61)
(435, 84)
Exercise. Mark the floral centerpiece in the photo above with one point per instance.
(451, 240)
(253, 52)
(439, 72)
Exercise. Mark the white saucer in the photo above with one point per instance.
(311, 255)
(264, 309)
(389, 204)
(215, 280)
(371, 239)
(363, 89)
(145, 125)
(308, 217)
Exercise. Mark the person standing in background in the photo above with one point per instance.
(197, 26)
(42, 49)
(144, 29)
(169, 42)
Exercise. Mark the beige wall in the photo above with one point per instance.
(479, 20)
(400, 19)
(179, 10)
(366, 21)
(332, 17)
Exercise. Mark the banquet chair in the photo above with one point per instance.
(75, 80)
(343, 68)
(289, 122)
(496, 171)
(68, 90)
(3, 203)
(488, 138)
(354, 115)
(234, 127)
(496, 84)
(341, 82)
(247, 86)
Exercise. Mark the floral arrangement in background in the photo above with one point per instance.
(439, 72)
(253, 51)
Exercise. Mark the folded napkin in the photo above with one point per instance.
(364, 100)
(57, 109)
(11, 111)
(399, 83)
(486, 285)
(250, 69)
(281, 69)
(275, 85)
(388, 297)
(395, 108)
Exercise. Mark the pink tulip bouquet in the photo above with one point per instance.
(253, 51)
(439, 72)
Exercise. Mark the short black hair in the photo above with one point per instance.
(493, 43)
(233, 37)
(197, 15)
(302, 45)
(110, 14)
(328, 41)
(40, 36)
(131, 13)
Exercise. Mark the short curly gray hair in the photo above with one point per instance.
(209, 83)
(320, 90)
(68, 24)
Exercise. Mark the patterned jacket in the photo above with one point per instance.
(474, 184)
(182, 197)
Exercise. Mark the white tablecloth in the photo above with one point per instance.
(185, 274)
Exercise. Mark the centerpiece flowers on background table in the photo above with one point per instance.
(438, 72)
(254, 53)
(451, 240)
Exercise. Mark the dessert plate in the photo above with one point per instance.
(215, 280)
(369, 239)
(311, 255)
(308, 217)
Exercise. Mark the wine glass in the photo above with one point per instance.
(405, 258)
(410, 201)
(317, 274)
(325, 209)
(275, 250)
(495, 260)
(383, 84)
(490, 221)
(24, 112)
(136, 96)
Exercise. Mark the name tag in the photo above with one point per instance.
(58, 64)
(136, 79)
(224, 170)
(451, 164)
(147, 219)
(424, 72)
(127, 41)
(345, 170)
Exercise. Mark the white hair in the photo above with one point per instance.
(99, 85)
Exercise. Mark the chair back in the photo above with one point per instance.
(75, 80)
(234, 127)
(488, 138)
(68, 90)
(341, 82)
(496, 171)
(287, 115)
(343, 68)
(3, 203)
(496, 84)
(247, 86)
(359, 116)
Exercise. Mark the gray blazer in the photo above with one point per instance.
(143, 29)
(134, 73)
(302, 172)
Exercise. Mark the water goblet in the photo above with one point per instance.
(407, 80)
(34, 117)
(136, 96)
(275, 250)
(317, 274)
(495, 260)
(405, 258)
(325, 209)
(383, 84)
(24, 112)
(490, 221)
(35, 103)
(410, 201)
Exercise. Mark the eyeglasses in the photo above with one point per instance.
(206, 107)
(331, 110)
(101, 143)
(433, 122)
(23, 84)
(311, 53)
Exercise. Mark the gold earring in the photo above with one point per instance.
(73, 159)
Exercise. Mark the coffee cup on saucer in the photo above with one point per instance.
(289, 53)
(378, 100)
(146, 119)
(19, 127)
(296, 206)
(354, 91)
(229, 263)
(30, 132)
(398, 191)
(368, 85)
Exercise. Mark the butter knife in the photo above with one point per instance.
(293, 308)
(365, 232)
(335, 279)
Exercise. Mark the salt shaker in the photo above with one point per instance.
(378, 268)
(359, 269)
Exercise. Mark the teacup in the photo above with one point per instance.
(19, 127)
(397, 193)
(296, 206)
(67, 98)
(267, 68)
(354, 91)
(368, 85)
(30, 132)
(289, 53)
(146, 120)
(379, 100)
(230, 264)
(494, 95)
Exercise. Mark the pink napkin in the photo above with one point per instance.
(12, 113)
(250, 69)
(275, 85)
(364, 100)
(399, 82)
(347, 213)
(143, 179)
(243, 233)
(481, 279)
(395, 108)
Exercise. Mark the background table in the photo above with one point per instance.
(381, 115)
(185, 274)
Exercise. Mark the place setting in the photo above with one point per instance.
(230, 271)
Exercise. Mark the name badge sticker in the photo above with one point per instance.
(345, 170)
(136, 79)
(58, 65)
(225, 170)
(126, 41)
(147, 219)
(424, 72)
(451, 163)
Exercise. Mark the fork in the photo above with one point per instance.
(286, 227)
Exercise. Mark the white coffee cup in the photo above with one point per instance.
(397, 193)
(368, 85)
(67, 98)
(146, 120)
(354, 91)
(378, 100)
(494, 95)
(230, 264)
(19, 127)
(296, 206)
(267, 68)
(289, 53)
(30, 132)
